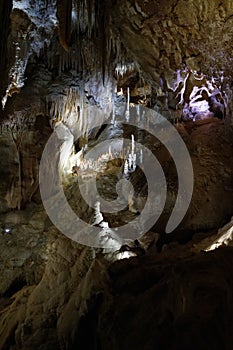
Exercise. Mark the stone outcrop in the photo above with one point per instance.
(56, 293)
(176, 33)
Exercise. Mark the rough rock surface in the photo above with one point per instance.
(166, 35)
(56, 293)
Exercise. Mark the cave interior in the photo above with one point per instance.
(116, 151)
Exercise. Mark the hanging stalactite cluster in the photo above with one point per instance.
(64, 13)
(87, 38)
(88, 45)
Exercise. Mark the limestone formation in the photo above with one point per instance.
(71, 69)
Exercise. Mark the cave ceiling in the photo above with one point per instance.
(161, 37)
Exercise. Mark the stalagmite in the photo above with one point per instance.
(113, 114)
(132, 156)
(141, 156)
(127, 107)
(130, 161)
(66, 148)
(126, 168)
(132, 144)
(98, 216)
(138, 113)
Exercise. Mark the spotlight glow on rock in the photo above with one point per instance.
(64, 218)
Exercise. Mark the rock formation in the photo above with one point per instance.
(71, 69)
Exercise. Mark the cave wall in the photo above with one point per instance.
(5, 11)
(176, 33)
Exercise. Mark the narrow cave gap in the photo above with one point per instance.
(86, 332)
(99, 132)
(18, 284)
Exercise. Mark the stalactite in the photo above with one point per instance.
(123, 68)
(90, 36)
(70, 107)
(64, 14)
(90, 15)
